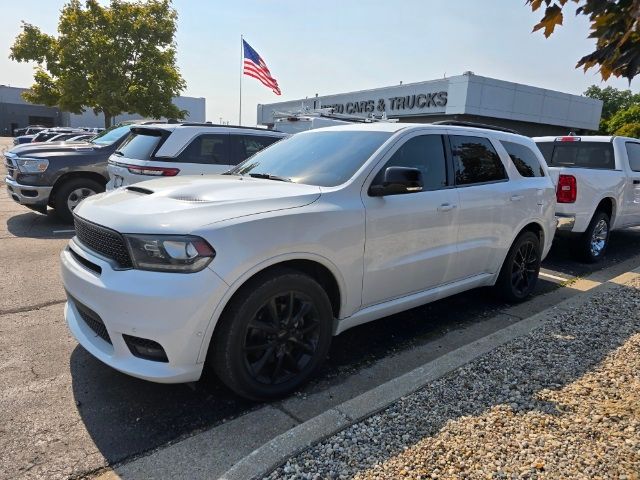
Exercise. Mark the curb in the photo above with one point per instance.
(269, 456)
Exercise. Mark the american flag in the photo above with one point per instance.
(255, 67)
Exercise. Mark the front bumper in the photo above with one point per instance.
(28, 194)
(565, 222)
(171, 309)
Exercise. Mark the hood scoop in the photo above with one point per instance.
(189, 198)
(144, 191)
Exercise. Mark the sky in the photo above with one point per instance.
(336, 46)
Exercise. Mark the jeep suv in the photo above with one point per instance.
(168, 150)
(252, 272)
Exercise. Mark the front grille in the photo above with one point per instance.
(11, 167)
(103, 240)
(93, 321)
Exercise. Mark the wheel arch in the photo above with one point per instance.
(609, 206)
(534, 227)
(62, 179)
(317, 267)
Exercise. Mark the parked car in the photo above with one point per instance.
(60, 175)
(167, 150)
(252, 272)
(19, 140)
(63, 137)
(598, 179)
(30, 130)
(50, 133)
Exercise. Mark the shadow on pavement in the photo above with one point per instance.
(36, 225)
(126, 416)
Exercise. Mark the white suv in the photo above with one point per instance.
(170, 149)
(252, 272)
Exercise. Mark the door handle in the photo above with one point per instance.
(516, 198)
(636, 182)
(446, 207)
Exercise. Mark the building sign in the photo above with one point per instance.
(420, 101)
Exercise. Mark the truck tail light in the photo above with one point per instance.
(567, 191)
(570, 138)
(155, 171)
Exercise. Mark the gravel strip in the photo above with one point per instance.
(561, 402)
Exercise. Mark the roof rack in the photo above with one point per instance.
(197, 124)
(460, 123)
(330, 113)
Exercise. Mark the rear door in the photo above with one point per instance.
(490, 205)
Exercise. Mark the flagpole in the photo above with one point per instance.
(241, 62)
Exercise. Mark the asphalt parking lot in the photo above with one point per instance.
(63, 413)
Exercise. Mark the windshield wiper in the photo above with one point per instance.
(119, 153)
(268, 176)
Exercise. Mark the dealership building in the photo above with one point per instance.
(15, 112)
(529, 110)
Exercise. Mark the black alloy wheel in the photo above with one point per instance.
(282, 338)
(519, 273)
(524, 269)
(273, 335)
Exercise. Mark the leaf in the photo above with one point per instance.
(552, 17)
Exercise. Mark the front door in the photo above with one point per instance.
(631, 214)
(410, 242)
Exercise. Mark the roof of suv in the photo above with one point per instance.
(396, 127)
(205, 126)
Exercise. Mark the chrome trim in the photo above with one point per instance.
(565, 222)
(42, 196)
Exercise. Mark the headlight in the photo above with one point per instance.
(169, 253)
(32, 165)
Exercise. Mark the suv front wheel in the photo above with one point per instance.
(71, 193)
(273, 336)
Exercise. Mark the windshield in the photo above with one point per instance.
(323, 158)
(111, 135)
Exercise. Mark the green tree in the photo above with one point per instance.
(615, 24)
(112, 59)
(622, 122)
(613, 101)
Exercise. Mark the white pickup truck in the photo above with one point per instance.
(598, 187)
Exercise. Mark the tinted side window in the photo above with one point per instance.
(633, 152)
(210, 149)
(583, 155)
(475, 160)
(426, 153)
(140, 146)
(524, 159)
(248, 145)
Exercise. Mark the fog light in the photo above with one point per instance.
(145, 348)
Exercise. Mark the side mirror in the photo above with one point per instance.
(398, 180)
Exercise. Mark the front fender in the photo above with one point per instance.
(242, 279)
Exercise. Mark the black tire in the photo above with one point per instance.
(594, 241)
(67, 192)
(254, 338)
(519, 272)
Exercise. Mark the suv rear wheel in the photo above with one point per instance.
(520, 270)
(273, 336)
(71, 193)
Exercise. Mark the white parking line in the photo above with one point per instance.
(553, 277)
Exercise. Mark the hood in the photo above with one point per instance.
(48, 149)
(180, 205)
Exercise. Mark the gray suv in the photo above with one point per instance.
(61, 175)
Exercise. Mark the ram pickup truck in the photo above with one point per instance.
(60, 175)
(598, 187)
